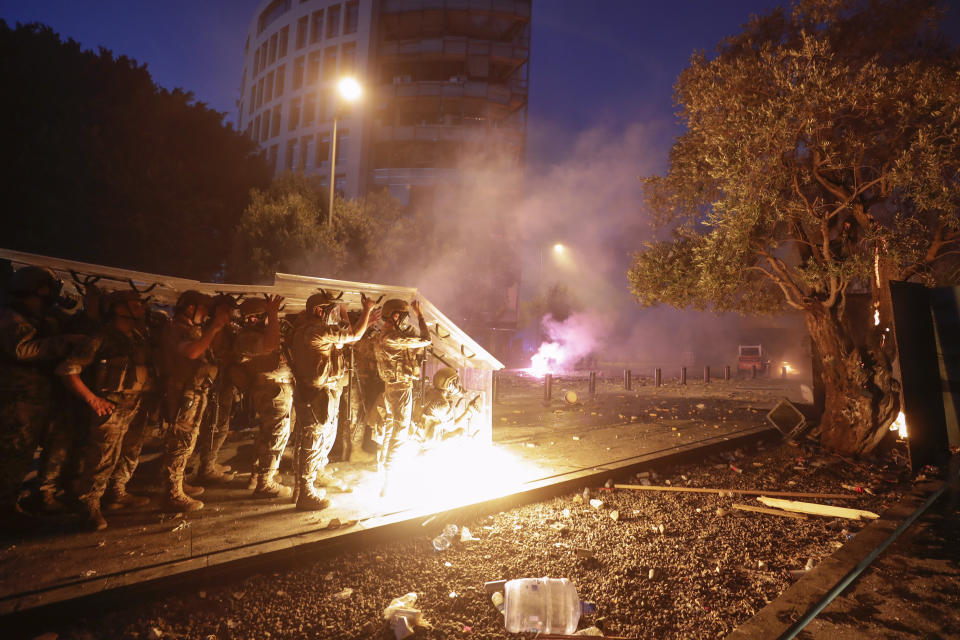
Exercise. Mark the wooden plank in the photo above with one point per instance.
(742, 492)
(772, 512)
(818, 509)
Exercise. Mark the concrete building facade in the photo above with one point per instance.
(443, 80)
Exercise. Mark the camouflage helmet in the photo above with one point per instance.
(193, 297)
(115, 298)
(222, 299)
(320, 299)
(395, 305)
(444, 376)
(252, 307)
(30, 279)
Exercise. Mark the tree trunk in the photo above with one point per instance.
(861, 401)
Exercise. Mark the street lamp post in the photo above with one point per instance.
(350, 91)
(558, 249)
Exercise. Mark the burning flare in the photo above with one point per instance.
(900, 425)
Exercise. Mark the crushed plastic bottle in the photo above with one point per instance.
(443, 541)
(543, 605)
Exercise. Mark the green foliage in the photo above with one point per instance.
(100, 164)
(286, 229)
(822, 149)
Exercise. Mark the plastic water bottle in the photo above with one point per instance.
(543, 605)
(443, 541)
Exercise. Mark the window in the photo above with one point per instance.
(333, 21)
(322, 100)
(323, 148)
(305, 153)
(253, 97)
(284, 36)
(281, 74)
(260, 93)
(275, 122)
(348, 55)
(302, 32)
(316, 26)
(272, 158)
(329, 64)
(313, 67)
(294, 120)
(343, 139)
(269, 87)
(265, 129)
(273, 49)
(273, 11)
(298, 73)
(255, 132)
(309, 109)
(291, 152)
(351, 17)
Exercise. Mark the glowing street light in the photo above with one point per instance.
(349, 90)
(559, 248)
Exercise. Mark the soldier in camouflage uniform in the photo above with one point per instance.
(319, 369)
(398, 362)
(189, 373)
(29, 350)
(269, 382)
(154, 327)
(216, 421)
(444, 415)
(117, 370)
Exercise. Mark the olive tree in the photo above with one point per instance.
(819, 161)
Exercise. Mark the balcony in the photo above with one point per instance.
(454, 47)
(511, 7)
(498, 93)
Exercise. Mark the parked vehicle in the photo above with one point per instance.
(751, 356)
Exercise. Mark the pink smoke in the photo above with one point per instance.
(567, 342)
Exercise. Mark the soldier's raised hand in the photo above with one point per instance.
(415, 306)
(273, 304)
(367, 303)
(221, 318)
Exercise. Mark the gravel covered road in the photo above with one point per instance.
(657, 565)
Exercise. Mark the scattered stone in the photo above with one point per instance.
(596, 504)
(345, 593)
(154, 633)
(615, 515)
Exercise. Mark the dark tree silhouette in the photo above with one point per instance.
(102, 165)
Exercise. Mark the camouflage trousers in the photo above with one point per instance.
(397, 435)
(134, 438)
(24, 419)
(317, 412)
(181, 436)
(273, 401)
(216, 422)
(104, 445)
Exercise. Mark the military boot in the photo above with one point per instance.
(213, 473)
(268, 487)
(117, 497)
(176, 499)
(308, 498)
(192, 490)
(92, 517)
(329, 481)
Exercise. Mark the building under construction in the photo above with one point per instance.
(445, 81)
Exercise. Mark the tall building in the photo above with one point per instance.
(444, 81)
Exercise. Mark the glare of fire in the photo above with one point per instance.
(876, 318)
(900, 425)
(787, 367)
(549, 358)
(452, 474)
